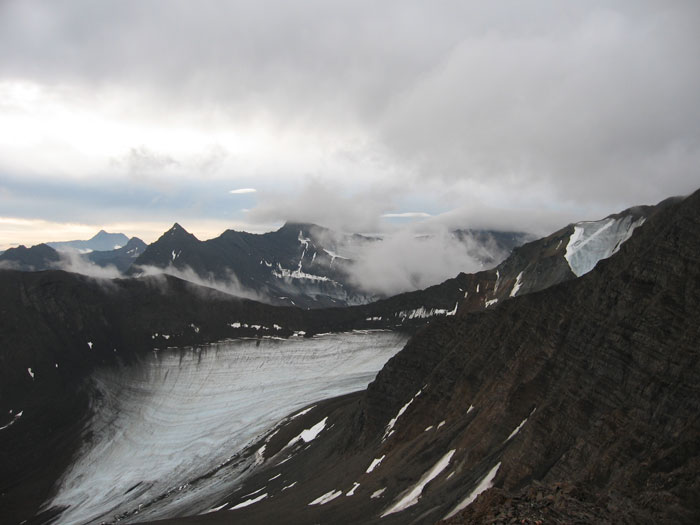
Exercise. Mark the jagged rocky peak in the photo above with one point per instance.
(177, 231)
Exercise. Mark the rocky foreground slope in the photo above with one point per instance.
(579, 403)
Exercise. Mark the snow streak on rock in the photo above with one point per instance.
(517, 285)
(412, 496)
(389, 428)
(328, 496)
(484, 484)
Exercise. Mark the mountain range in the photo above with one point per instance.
(101, 241)
(298, 265)
(47, 256)
(563, 385)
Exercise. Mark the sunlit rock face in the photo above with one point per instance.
(182, 414)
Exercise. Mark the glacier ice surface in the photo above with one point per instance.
(182, 413)
(592, 241)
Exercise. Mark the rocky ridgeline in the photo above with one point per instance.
(575, 404)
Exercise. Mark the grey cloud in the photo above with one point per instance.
(405, 260)
(231, 285)
(605, 112)
(143, 162)
(73, 262)
(586, 104)
(327, 204)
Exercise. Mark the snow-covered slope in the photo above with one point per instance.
(183, 413)
(592, 241)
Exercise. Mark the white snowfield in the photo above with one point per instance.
(183, 413)
(593, 241)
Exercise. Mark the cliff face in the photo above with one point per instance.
(599, 378)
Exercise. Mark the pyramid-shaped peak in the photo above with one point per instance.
(102, 233)
(177, 228)
(178, 232)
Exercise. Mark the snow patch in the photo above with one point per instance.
(216, 508)
(14, 419)
(412, 496)
(254, 492)
(377, 493)
(29, 371)
(305, 411)
(375, 463)
(260, 456)
(328, 496)
(484, 484)
(90, 344)
(283, 273)
(309, 434)
(491, 302)
(351, 492)
(392, 422)
(521, 425)
(422, 312)
(249, 502)
(289, 486)
(517, 285)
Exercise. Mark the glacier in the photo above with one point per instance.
(592, 241)
(167, 432)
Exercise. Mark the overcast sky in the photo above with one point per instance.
(130, 116)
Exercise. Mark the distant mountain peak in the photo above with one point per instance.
(177, 228)
(177, 233)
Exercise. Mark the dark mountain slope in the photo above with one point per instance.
(121, 258)
(299, 264)
(39, 257)
(585, 395)
(286, 267)
(43, 257)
